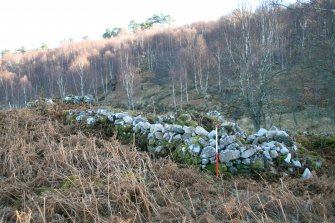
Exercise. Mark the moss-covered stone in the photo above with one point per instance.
(212, 168)
(195, 140)
(258, 164)
(186, 120)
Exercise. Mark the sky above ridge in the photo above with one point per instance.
(29, 23)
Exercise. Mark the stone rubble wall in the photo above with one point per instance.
(271, 149)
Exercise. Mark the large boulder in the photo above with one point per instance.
(228, 155)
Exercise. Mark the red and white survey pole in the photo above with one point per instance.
(217, 152)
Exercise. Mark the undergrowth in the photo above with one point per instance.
(51, 172)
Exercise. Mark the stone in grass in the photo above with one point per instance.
(128, 119)
(288, 158)
(274, 154)
(261, 132)
(194, 149)
(307, 174)
(284, 151)
(158, 135)
(188, 129)
(296, 163)
(91, 121)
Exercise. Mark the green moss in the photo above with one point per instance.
(182, 155)
(330, 142)
(195, 139)
(212, 168)
(186, 120)
(243, 169)
(258, 164)
(40, 190)
(103, 119)
(242, 140)
(141, 141)
(68, 183)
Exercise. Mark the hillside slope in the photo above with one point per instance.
(271, 65)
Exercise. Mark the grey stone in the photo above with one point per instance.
(251, 138)
(186, 136)
(204, 161)
(212, 160)
(177, 137)
(270, 144)
(139, 119)
(227, 140)
(229, 164)
(177, 129)
(212, 134)
(274, 154)
(273, 128)
(266, 154)
(228, 155)
(166, 136)
(194, 149)
(208, 152)
(151, 135)
(144, 126)
(294, 148)
(160, 151)
(284, 139)
(203, 142)
(80, 118)
(201, 131)
(119, 122)
(266, 148)
(158, 135)
(128, 119)
(88, 99)
(288, 158)
(246, 161)
(157, 128)
(213, 113)
(248, 153)
(237, 162)
(188, 129)
(261, 132)
(232, 146)
(91, 120)
(317, 163)
(212, 142)
(120, 115)
(233, 170)
(296, 163)
(307, 174)
(284, 151)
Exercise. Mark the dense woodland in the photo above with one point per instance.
(277, 59)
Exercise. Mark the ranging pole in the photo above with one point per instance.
(217, 152)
